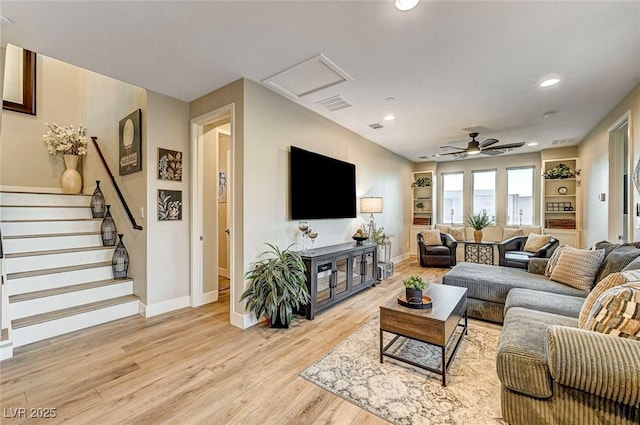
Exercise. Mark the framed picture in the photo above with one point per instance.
(20, 92)
(130, 143)
(169, 205)
(222, 187)
(169, 165)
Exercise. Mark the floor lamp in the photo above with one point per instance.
(371, 205)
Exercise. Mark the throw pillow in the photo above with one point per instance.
(457, 233)
(611, 281)
(431, 237)
(634, 265)
(577, 267)
(617, 312)
(617, 260)
(553, 260)
(535, 242)
(510, 233)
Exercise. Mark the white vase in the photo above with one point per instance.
(71, 180)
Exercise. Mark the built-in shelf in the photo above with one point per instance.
(422, 195)
(564, 225)
(559, 212)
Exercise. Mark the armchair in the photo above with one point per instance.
(511, 252)
(437, 255)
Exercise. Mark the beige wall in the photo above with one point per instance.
(594, 159)
(167, 242)
(104, 102)
(274, 123)
(498, 163)
(24, 160)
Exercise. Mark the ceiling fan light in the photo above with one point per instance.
(405, 5)
(473, 152)
(550, 82)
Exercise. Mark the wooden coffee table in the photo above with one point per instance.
(434, 326)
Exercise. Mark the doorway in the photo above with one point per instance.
(212, 265)
(620, 183)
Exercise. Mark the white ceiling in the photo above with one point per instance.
(449, 65)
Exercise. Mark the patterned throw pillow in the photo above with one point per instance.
(535, 242)
(431, 237)
(553, 260)
(577, 267)
(617, 312)
(611, 281)
(456, 232)
(510, 233)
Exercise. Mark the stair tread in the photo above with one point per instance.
(71, 311)
(31, 273)
(44, 206)
(56, 251)
(44, 220)
(50, 235)
(65, 289)
(44, 193)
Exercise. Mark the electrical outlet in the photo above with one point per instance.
(141, 212)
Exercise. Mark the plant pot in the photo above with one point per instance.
(414, 296)
(277, 324)
(477, 235)
(71, 180)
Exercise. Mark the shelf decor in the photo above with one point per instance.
(108, 229)
(560, 171)
(98, 208)
(120, 261)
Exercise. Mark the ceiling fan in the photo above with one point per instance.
(485, 147)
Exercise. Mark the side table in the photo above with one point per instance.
(478, 252)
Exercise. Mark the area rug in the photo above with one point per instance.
(403, 394)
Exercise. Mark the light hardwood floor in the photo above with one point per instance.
(192, 367)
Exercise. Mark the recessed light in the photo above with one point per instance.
(405, 5)
(532, 144)
(550, 82)
(389, 117)
(4, 19)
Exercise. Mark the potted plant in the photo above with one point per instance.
(278, 285)
(420, 206)
(478, 222)
(422, 182)
(560, 171)
(414, 285)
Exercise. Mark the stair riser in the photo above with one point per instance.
(49, 243)
(39, 262)
(42, 213)
(49, 227)
(57, 280)
(72, 299)
(40, 331)
(9, 198)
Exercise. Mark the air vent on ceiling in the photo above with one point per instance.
(376, 126)
(308, 77)
(570, 141)
(424, 157)
(334, 103)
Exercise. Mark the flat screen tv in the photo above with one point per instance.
(321, 187)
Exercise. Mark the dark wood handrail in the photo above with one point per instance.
(115, 185)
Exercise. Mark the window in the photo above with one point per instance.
(452, 192)
(484, 192)
(520, 196)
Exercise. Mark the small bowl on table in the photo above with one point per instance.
(359, 239)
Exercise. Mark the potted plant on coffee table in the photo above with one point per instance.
(478, 222)
(414, 285)
(278, 285)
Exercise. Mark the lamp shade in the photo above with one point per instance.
(371, 204)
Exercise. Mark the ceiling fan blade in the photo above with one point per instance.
(451, 147)
(509, 146)
(451, 153)
(492, 152)
(461, 156)
(488, 142)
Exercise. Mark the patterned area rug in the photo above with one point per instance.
(403, 394)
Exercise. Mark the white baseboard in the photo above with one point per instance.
(402, 257)
(243, 321)
(155, 309)
(209, 297)
(6, 351)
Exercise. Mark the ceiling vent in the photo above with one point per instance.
(570, 141)
(376, 126)
(334, 103)
(315, 74)
(424, 157)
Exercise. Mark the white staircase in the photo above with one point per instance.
(58, 275)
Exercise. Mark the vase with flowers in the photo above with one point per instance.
(70, 142)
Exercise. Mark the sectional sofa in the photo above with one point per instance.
(553, 372)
